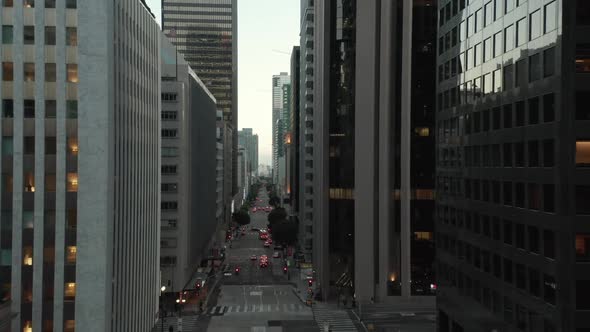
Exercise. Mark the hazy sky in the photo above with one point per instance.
(267, 32)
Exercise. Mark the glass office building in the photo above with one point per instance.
(512, 180)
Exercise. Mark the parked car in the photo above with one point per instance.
(253, 257)
(276, 254)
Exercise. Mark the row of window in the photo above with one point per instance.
(70, 4)
(505, 231)
(29, 35)
(503, 79)
(505, 307)
(514, 35)
(29, 72)
(169, 115)
(50, 182)
(169, 96)
(169, 169)
(29, 108)
(29, 145)
(169, 187)
(169, 133)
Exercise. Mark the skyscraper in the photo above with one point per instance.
(249, 141)
(305, 142)
(512, 156)
(205, 32)
(277, 111)
(80, 219)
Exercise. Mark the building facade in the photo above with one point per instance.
(189, 162)
(305, 141)
(277, 111)
(205, 32)
(249, 141)
(292, 140)
(80, 165)
(512, 183)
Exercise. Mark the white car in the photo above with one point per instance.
(276, 254)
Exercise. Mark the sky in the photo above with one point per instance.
(267, 32)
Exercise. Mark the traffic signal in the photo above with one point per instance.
(310, 282)
(284, 269)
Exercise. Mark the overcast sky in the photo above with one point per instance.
(267, 32)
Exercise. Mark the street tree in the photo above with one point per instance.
(276, 215)
(285, 232)
(241, 217)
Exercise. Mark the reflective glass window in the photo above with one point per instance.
(521, 35)
(535, 24)
(550, 17)
(508, 38)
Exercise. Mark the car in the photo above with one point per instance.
(266, 244)
(227, 274)
(278, 247)
(263, 258)
(264, 264)
(254, 209)
(254, 229)
(269, 241)
(276, 254)
(253, 257)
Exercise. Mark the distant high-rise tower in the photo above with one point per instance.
(277, 114)
(249, 142)
(206, 34)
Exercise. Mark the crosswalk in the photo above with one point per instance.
(338, 320)
(189, 323)
(285, 307)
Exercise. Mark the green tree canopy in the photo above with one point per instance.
(241, 217)
(285, 232)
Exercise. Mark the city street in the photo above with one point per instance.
(257, 299)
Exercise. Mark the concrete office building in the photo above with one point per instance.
(277, 111)
(512, 212)
(305, 141)
(373, 148)
(190, 212)
(249, 141)
(206, 34)
(292, 140)
(80, 165)
(243, 176)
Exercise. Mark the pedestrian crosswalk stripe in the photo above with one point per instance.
(256, 308)
(338, 320)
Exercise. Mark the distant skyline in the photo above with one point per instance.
(267, 32)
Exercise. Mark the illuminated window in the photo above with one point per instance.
(69, 325)
(29, 3)
(71, 36)
(29, 71)
(422, 131)
(7, 71)
(72, 182)
(28, 326)
(71, 254)
(423, 236)
(341, 193)
(70, 290)
(72, 73)
(29, 181)
(73, 146)
(583, 153)
(423, 194)
(28, 255)
(583, 247)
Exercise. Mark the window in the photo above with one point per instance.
(29, 71)
(488, 13)
(71, 36)
(507, 152)
(549, 244)
(470, 25)
(169, 169)
(521, 35)
(534, 239)
(487, 49)
(70, 291)
(462, 31)
(478, 20)
(169, 187)
(71, 109)
(550, 17)
(469, 59)
(533, 148)
(548, 153)
(497, 81)
(49, 3)
(7, 34)
(509, 38)
(50, 145)
(7, 3)
(29, 108)
(29, 3)
(169, 151)
(520, 73)
(72, 182)
(549, 197)
(508, 276)
(507, 110)
(583, 247)
(7, 71)
(583, 153)
(508, 77)
(582, 294)
(7, 108)
(496, 118)
(520, 110)
(169, 205)
(519, 236)
(477, 55)
(549, 62)
(50, 109)
(72, 147)
(487, 83)
(534, 110)
(519, 196)
(535, 24)
(169, 96)
(71, 254)
(583, 200)
(168, 242)
(49, 35)
(520, 276)
(549, 107)
(498, 44)
(7, 146)
(29, 34)
(549, 286)
(169, 223)
(50, 73)
(71, 4)
(168, 261)
(169, 115)
(534, 282)
(497, 9)
(72, 73)
(508, 232)
(169, 133)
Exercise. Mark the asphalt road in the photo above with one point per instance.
(258, 299)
